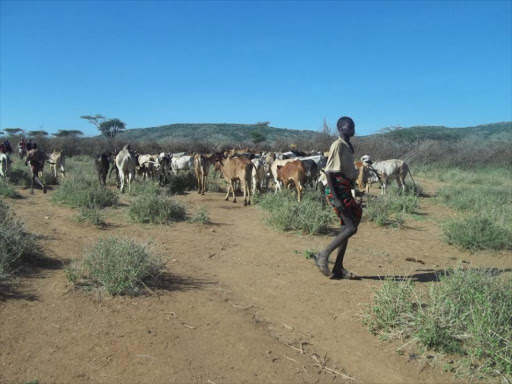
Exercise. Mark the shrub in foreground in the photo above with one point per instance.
(8, 191)
(389, 210)
(119, 265)
(81, 191)
(17, 245)
(156, 209)
(201, 216)
(468, 312)
(184, 181)
(91, 215)
(477, 232)
(312, 215)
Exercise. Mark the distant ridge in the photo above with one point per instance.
(225, 132)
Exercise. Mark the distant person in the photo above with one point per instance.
(22, 148)
(341, 175)
(29, 145)
(8, 147)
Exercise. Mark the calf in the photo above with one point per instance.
(236, 169)
(273, 169)
(293, 171)
(102, 164)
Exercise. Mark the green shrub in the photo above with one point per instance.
(468, 312)
(156, 209)
(201, 216)
(312, 215)
(144, 188)
(119, 265)
(389, 210)
(8, 191)
(91, 215)
(20, 176)
(17, 245)
(477, 232)
(79, 191)
(184, 181)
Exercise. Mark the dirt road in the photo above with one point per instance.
(239, 303)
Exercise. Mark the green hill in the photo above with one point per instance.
(217, 133)
(488, 132)
(223, 133)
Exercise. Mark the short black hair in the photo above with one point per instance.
(344, 121)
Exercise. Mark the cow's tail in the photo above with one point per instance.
(410, 174)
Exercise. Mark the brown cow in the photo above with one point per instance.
(201, 167)
(362, 176)
(292, 171)
(236, 169)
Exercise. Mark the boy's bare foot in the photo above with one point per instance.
(322, 263)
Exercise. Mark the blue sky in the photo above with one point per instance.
(290, 63)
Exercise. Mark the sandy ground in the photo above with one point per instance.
(239, 302)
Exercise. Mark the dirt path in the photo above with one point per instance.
(240, 303)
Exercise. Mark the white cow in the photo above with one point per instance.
(4, 165)
(389, 170)
(182, 163)
(258, 173)
(125, 163)
(147, 166)
(57, 161)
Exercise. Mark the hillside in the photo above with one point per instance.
(223, 133)
(217, 133)
(487, 132)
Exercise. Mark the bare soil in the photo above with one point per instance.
(239, 302)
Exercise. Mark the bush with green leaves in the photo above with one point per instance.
(7, 191)
(91, 215)
(389, 209)
(156, 209)
(312, 215)
(484, 220)
(468, 312)
(201, 216)
(119, 265)
(20, 176)
(17, 245)
(141, 187)
(182, 182)
(82, 191)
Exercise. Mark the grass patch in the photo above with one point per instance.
(8, 191)
(20, 176)
(145, 188)
(477, 232)
(91, 215)
(201, 216)
(467, 313)
(119, 265)
(312, 215)
(484, 220)
(17, 245)
(156, 209)
(390, 209)
(79, 191)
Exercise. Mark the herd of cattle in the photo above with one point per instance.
(243, 169)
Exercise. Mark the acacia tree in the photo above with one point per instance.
(37, 133)
(13, 131)
(68, 133)
(110, 128)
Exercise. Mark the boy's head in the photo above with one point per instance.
(346, 126)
